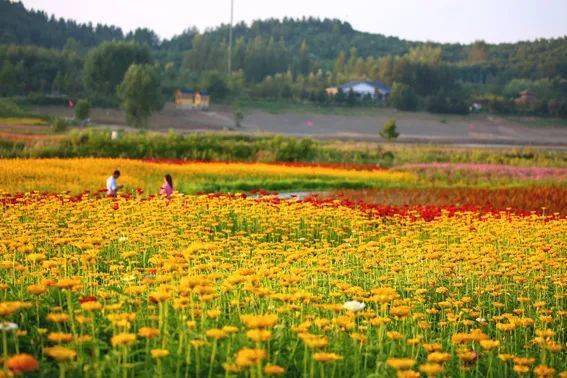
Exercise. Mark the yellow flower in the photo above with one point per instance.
(58, 337)
(123, 339)
(394, 335)
(327, 357)
(489, 344)
(400, 363)
(215, 333)
(60, 354)
(274, 370)
(37, 289)
(431, 370)
(259, 335)
(438, 357)
(249, 357)
(91, 306)
(259, 321)
(148, 332)
(57, 317)
(159, 353)
(213, 314)
(543, 371)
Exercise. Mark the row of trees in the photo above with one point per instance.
(288, 59)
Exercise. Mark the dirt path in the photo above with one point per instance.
(363, 125)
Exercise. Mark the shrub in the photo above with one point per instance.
(389, 131)
(9, 108)
(82, 110)
(59, 125)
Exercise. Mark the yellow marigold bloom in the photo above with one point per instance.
(60, 354)
(438, 357)
(68, 283)
(407, 374)
(431, 370)
(545, 333)
(521, 369)
(57, 317)
(230, 329)
(400, 363)
(197, 343)
(314, 341)
(327, 357)
(59, 337)
(467, 356)
(91, 306)
(159, 353)
(524, 360)
(259, 335)
(259, 321)
(489, 344)
(249, 357)
(191, 324)
(148, 332)
(433, 347)
(274, 370)
(123, 339)
(37, 289)
(394, 335)
(215, 333)
(506, 327)
(8, 308)
(543, 371)
(213, 314)
(505, 357)
(400, 311)
(159, 296)
(232, 368)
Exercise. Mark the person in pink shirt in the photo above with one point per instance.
(167, 187)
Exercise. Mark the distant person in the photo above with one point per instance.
(112, 186)
(167, 187)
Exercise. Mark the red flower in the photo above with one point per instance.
(115, 206)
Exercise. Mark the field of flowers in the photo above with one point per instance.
(78, 175)
(220, 285)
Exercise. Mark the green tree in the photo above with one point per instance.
(403, 97)
(82, 110)
(140, 94)
(106, 65)
(303, 61)
(215, 84)
(389, 131)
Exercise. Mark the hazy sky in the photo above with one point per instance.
(437, 20)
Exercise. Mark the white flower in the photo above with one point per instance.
(481, 320)
(8, 327)
(354, 306)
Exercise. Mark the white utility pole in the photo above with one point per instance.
(230, 37)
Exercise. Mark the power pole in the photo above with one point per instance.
(230, 37)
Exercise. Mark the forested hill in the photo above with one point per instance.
(292, 59)
(325, 38)
(21, 26)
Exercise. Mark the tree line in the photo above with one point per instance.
(291, 59)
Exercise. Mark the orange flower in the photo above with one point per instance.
(22, 363)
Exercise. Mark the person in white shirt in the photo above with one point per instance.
(112, 186)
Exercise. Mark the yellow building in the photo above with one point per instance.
(189, 99)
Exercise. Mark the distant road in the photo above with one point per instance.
(353, 124)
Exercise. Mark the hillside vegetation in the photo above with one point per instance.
(292, 59)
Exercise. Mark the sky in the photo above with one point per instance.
(465, 21)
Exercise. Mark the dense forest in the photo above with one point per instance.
(42, 57)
